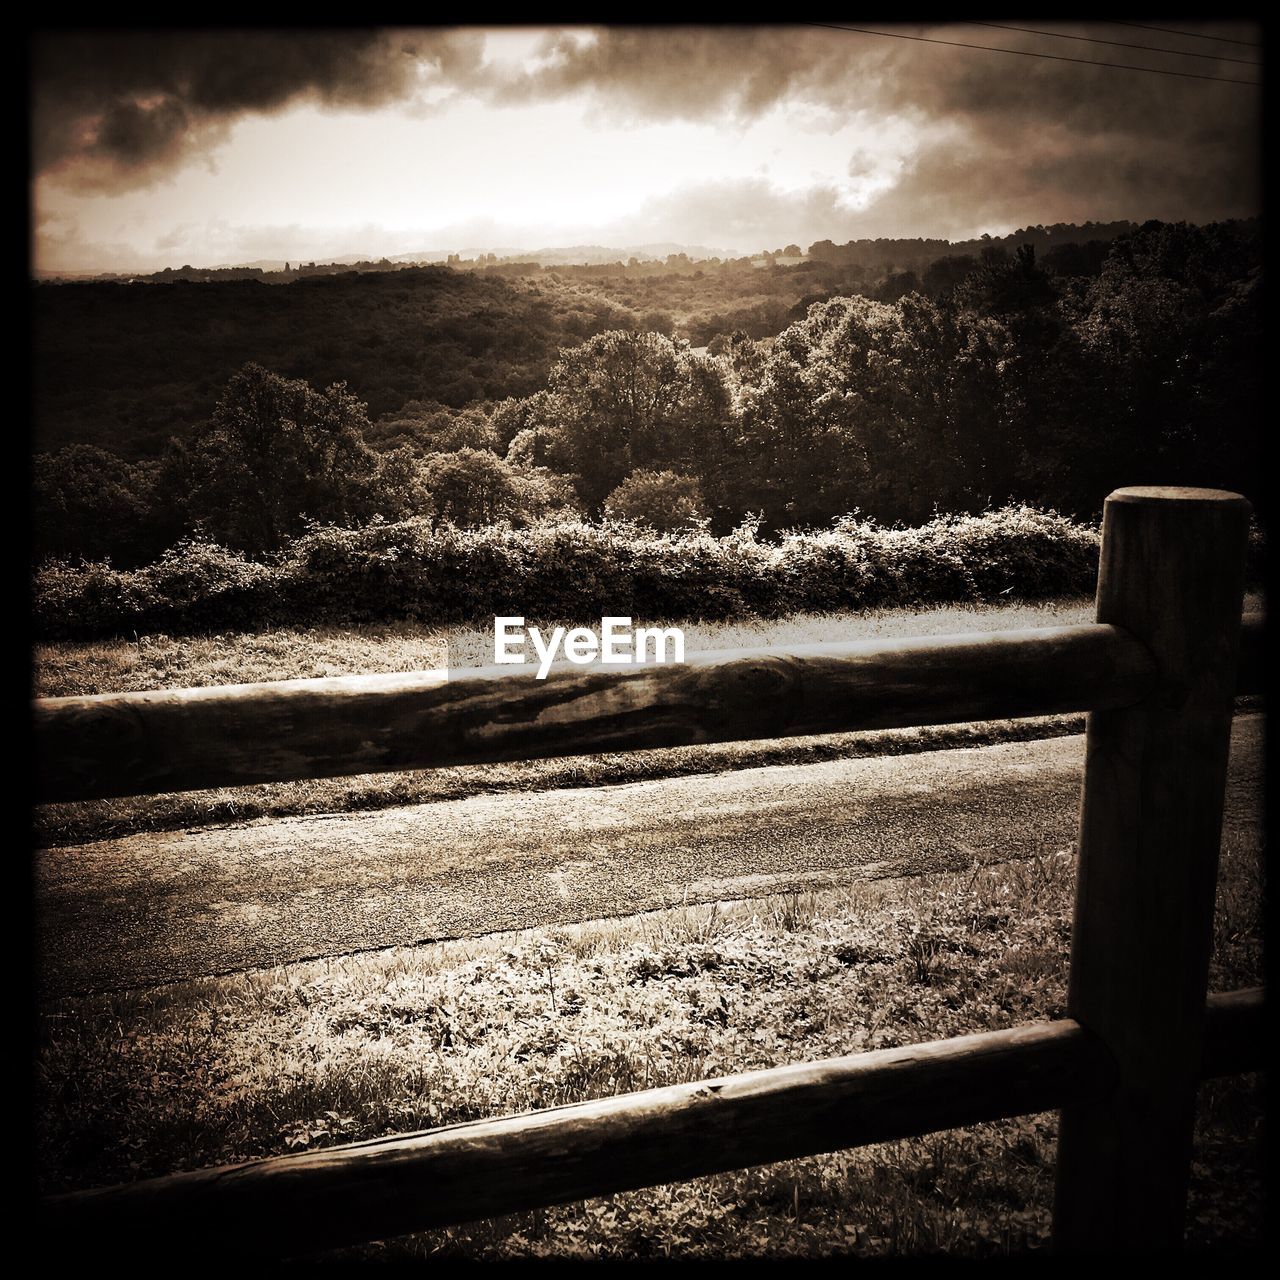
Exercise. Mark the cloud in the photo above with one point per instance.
(960, 190)
(946, 190)
(995, 141)
(741, 217)
(122, 109)
(696, 72)
(745, 215)
(1112, 143)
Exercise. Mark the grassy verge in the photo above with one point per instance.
(305, 1056)
(69, 667)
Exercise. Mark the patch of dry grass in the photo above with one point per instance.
(76, 668)
(312, 1054)
(66, 668)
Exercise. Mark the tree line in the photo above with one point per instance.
(1002, 378)
(125, 365)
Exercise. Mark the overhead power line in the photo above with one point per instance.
(1115, 44)
(1191, 35)
(1026, 53)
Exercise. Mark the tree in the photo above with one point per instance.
(513, 417)
(434, 429)
(661, 499)
(473, 487)
(277, 453)
(630, 399)
(818, 423)
(944, 274)
(1014, 288)
(658, 321)
(1159, 374)
(88, 502)
(959, 443)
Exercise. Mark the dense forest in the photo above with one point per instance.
(1046, 372)
(126, 366)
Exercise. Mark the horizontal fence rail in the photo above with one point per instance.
(287, 1205)
(186, 739)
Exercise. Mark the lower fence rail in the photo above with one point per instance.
(298, 1204)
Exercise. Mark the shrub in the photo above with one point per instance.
(413, 570)
(660, 499)
(473, 488)
(194, 586)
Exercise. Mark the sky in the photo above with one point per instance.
(163, 148)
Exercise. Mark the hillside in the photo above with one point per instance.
(125, 366)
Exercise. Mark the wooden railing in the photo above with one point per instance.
(1157, 672)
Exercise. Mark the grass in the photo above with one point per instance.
(64, 668)
(157, 662)
(301, 1057)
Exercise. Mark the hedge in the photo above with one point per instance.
(442, 575)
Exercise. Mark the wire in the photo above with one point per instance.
(1024, 53)
(1193, 35)
(1116, 44)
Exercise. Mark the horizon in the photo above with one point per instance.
(472, 254)
(223, 147)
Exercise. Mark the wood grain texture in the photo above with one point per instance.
(187, 739)
(301, 1203)
(1172, 575)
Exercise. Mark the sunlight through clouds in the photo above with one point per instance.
(402, 142)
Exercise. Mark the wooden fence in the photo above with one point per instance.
(1157, 671)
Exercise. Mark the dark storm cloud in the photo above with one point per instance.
(680, 72)
(954, 191)
(118, 109)
(694, 72)
(1025, 137)
(1002, 138)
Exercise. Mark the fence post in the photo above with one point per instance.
(1172, 574)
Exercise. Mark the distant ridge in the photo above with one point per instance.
(907, 253)
(548, 256)
(584, 255)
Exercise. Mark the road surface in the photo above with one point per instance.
(155, 908)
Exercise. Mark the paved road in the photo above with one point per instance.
(155, 908)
